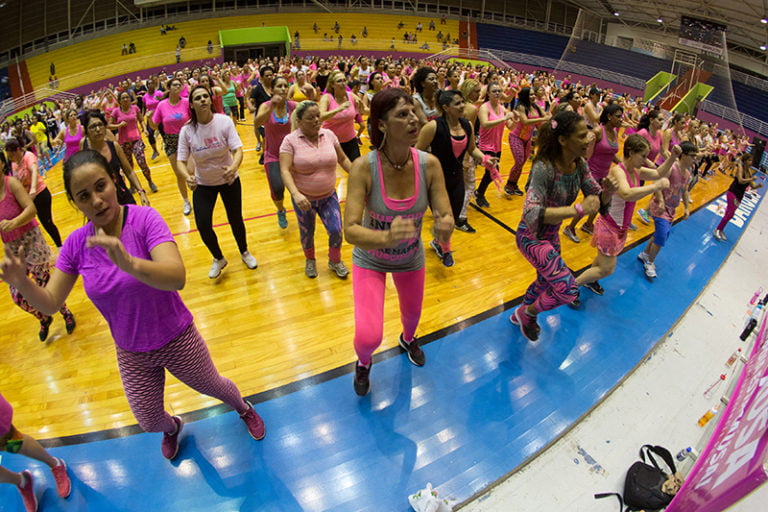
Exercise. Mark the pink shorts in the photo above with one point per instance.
(608, 238)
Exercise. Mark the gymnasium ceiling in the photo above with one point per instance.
(742, 17)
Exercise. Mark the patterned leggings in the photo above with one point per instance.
(40, 274)
(330, 215)
(188, 359)
(368, 288)
(136, 148)
(554, 284)
(521, 150)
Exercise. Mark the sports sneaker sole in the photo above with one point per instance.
(520, 324)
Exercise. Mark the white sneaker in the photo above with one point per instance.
(249, 260)
(719, 235)
(187, 207)
(650, 269)
(216, 268)
(570, 233)
(643, 258)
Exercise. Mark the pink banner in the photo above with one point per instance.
(731, 465)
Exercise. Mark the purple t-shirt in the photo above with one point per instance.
(173, 117)
(6, 416)
(140, 317)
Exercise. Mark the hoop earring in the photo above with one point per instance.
(383, 142)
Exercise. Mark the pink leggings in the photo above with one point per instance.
(368, 290)
(188, 359)
(521, 150)
(730, 209)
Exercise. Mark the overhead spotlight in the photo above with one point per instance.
(616, 13)
(660, 20)
(763, 47)
(764, 20)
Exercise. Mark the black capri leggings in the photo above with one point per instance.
(487, 180)
(351, 148)
(204, 199)
(454, 185)
(43, 204)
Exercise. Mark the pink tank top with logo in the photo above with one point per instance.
(10, 209)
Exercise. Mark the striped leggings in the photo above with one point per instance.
(136, 148)
(521, 150)
(554, 284)
(188, 359)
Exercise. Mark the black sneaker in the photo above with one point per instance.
(595, 287)
(576, 304)
(448, 259)
(512, 190)
(415, 354)
(464, 226)
(529, 327)
(261, 159)
(45, 326)
(481, 201)
(362, 383)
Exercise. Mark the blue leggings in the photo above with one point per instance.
(330, 214)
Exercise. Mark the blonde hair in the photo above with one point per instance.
(332, 80)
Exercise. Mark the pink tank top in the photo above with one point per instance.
(602, 157)
(275, 130)
(490, 138)
(10, 209)
(655, 143)
(621, 211)
(343, 123)
(72, 142)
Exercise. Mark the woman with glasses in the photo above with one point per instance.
(95, 138)
(173, 113)
(664, 206)
(604, 153)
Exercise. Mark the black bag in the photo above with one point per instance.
(643, 486)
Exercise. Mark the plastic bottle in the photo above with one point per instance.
(733, 358)
(682, 454)
(708, 415)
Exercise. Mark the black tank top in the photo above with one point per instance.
(124, 195)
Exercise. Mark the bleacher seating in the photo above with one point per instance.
(98, 59)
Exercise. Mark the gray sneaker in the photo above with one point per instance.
(341, 271)
(571, 234)
(310, 269)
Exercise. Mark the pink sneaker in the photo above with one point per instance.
(170, 444)
(63, 485)
(28, 491)
(253, 422)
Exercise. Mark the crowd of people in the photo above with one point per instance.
(429, 125)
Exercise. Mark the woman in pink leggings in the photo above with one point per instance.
(132, 271)
(744, 178)
(389, 191)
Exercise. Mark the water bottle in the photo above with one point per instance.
(682, 454)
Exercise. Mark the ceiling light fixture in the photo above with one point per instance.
(764, 20)
(763, 47)
(660, 20)
(616, 13)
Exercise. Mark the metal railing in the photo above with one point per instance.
(9, 106)
(733, 115)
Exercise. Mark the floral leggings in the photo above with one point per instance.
(136, 148)
(37, 256)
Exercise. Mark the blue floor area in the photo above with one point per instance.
(485, 402)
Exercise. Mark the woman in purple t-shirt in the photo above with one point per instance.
(132, 271)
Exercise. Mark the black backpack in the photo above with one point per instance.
(643, 484)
